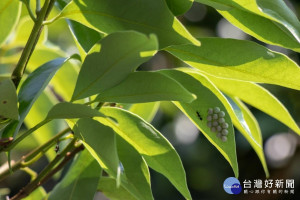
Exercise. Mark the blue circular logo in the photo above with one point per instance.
(232, 186)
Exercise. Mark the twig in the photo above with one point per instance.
(30, 172)
(36, 182)
(62, 164)
(34, 155)
(38, 7)
(31, 43)
(24, 135)
(27, 4)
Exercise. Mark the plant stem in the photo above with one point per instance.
(42, 149)
(53, 163)
(24, 135)
(34, 155)
(27, 4)
(62, 164)
(44, 174)
(38, 7)
(51, 4)
(31, 43)
(30, 172)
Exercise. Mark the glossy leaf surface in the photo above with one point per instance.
(159, 154)
(120, 54)
(111, 16)
(146, 111)
(258, 97)
(140, 87)
(259, 18)
(206, 99)
(179, 7)
(135, 169)
(85, 36)
(68, 110)
(241, 60)
(248, 126)
(33, 86)
(100, 142)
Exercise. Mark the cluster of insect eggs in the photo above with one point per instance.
(216, 122)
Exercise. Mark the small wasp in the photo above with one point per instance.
(199, 116)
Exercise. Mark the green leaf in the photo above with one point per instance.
(147, 17)
(146, 111)
(33, 86)
(108, 187)
(10, 11)
(81, 180)
(217, 4)
(159, 154)
(65, 79)
(85, 36)
(258, 97)
(249, 127)
(179, 7)
(41, 55)
(239, 116)
(68, 110)
(249, 119)
(120, 54)
(151, 86)
(260, 17)
(8, 100)
(36, 83)
(135, 168)
(62, 3)
(207, 97)
(242, 60)
(260, 28)
(100, 141)
(38, 194)
(278, 11)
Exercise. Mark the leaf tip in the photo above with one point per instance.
(236, 173)
(193, 97)
(197, 43)
(267, 173)
(235, 169)
(297, 130)
(153, 36)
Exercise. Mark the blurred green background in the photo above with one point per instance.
(205, 167)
